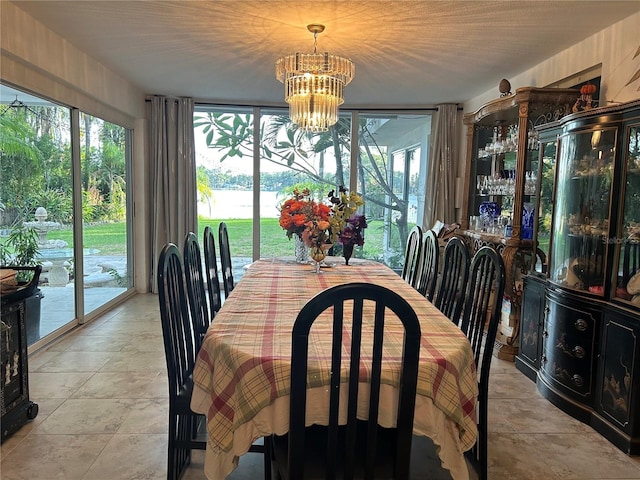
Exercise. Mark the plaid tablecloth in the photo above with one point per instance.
(242, 372)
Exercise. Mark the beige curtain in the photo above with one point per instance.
(173, 166)
(441, 175)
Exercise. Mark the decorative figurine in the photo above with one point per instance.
(16, 357)
(504, 87)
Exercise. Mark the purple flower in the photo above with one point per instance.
(353, 231)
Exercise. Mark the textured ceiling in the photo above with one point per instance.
(407, 53)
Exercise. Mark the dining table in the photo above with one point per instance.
(242, 371)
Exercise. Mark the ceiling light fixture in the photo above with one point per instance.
(314, 85)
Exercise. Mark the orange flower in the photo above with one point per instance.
(299, 219)
(315, 222)
(295, 212)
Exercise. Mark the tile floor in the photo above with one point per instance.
(103, 411)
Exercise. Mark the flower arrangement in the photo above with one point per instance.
(353, 231)
(298, 211)
(316, 223)
(344, 206)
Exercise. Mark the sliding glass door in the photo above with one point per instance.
(73, 205)
(104, 157)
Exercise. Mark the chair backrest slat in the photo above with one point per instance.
(428, 265)
(412, 255)
(195, 288)
(225, 259)
(211, 272)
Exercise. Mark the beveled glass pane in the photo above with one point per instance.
(627, 242)
(582, 206)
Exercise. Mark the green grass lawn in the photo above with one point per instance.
(274, 241)
(110, 238)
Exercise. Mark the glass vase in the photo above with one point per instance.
(318, 254)
(302, 251)
(347, 251)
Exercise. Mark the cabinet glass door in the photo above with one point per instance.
(628, 241)
(544, 175)
(582, 205)
(491, 203)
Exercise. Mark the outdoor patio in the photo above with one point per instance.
(57, 307)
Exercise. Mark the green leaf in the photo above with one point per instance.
(290, 159)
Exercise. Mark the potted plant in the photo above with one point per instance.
(19, 252)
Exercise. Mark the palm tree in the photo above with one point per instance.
(20, 166)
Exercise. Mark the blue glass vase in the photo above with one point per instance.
(489, 209)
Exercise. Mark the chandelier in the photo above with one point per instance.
(314, 85)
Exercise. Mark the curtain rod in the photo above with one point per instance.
(372, 109)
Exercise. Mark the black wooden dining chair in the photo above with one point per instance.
(196, 292)
(225, 259)
(428, 265)
(412, 255)
(453, 280)
(359, 449)
(480, 320)
(179, 349)
(211, 272)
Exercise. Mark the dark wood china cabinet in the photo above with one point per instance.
(580, 328)
(502, 167)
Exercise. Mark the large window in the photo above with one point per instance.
(73, 202)
(392, 168)
(244, 185)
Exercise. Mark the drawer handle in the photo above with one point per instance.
(577, 380)
(581, 324)
(545, 333)
(578, 352)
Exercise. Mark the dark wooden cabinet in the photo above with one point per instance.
(617, 400)
(531, 326)
(589, 239)
(501, 165)
(15, 406)
(570, 332)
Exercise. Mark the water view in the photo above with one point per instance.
(239, 204)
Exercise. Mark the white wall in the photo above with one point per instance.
(38, 60)
(613, 48)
